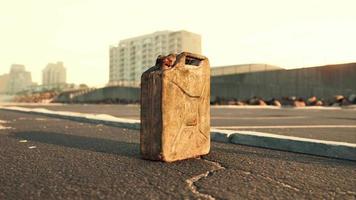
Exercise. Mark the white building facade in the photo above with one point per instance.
(18, 79)
(54, 75)
(131, 57)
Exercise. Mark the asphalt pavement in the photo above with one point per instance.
(49, 158)
(323, 124)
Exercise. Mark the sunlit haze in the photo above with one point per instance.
(287, 33)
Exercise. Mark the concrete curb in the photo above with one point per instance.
(341, 150)
(81, 117)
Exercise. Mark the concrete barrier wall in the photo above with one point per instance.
(110, 94)
(323, 82)
(107, 94)
(6, 98)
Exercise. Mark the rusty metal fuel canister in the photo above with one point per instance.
(175, 108)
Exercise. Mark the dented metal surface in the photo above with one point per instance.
(175, 108)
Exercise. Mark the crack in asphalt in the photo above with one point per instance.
(191, 182)
(279, 182)
(271, 180)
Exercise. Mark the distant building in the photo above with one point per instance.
(18, 79)
(134, 55)
(54, 76)
(4, 79)
(243, 68)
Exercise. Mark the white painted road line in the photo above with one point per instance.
(285, 127)
(4, 127)
(272, 141)
(258, 118)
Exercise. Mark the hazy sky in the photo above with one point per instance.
(298, 33)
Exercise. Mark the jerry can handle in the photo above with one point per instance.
(191, 59)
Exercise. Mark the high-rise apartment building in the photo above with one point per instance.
(54, 75)
(134, 55)
(18, 79)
